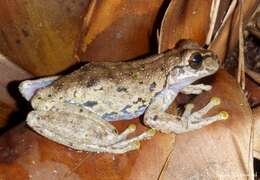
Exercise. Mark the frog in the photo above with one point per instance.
(76, 109)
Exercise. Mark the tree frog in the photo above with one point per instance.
(75, 109)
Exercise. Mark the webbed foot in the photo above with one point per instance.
(195, 120)
(189, 120)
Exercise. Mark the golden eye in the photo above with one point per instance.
(196, 60)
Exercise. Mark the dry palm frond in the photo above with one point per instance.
(241, 57)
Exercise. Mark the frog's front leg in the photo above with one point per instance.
(195, 88)
(157, 118)
(80, 129)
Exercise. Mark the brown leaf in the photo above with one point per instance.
(118, 30)
(220, 150)
(220, 42)
(253, 92)
(248, 8)
(256, 115)
(5, 112)
(10, 72)
(37, 157)
(40, 36)
(184, 20)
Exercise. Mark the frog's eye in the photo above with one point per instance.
(196, 60)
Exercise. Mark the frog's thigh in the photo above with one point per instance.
(168, 123)
(81, 133)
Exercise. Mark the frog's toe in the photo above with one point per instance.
(214, 101)
(135, 145)
(144, 136)
(197, 120)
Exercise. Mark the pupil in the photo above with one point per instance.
(197, 58)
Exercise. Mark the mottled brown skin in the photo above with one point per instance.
(147, 77)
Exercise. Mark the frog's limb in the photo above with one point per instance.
(27, 88)
(63, 129)
(157, 118)
(195, 89)
(84, 131)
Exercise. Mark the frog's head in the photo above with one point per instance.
(195, 63)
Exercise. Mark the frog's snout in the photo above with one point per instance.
(212, 64)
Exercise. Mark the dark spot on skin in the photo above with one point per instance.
(121, 89)
(91, 83)
(80, 110)
(139, 100)
(90, 103)
(141, 82)
(109, 115)
(135, 76)
(125, 108)
(141, 109)
(60, 97)
(152, 86)
(142, 67)
(49, 95)
(74, 93)
(162, 68)
(155, 117)
(25, 33)
(39, 97)
(115, 131)
(125, 111)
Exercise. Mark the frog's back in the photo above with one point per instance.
(114, 90)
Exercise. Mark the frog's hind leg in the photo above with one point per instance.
(86, 133)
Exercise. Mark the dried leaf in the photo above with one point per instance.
(256, 115)
(5, 112)
(40, 158)
(184, 20)
(10, 72)
(40, 36)
(220, 42)
(118, 30)
(248, 8)
(252, 92)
